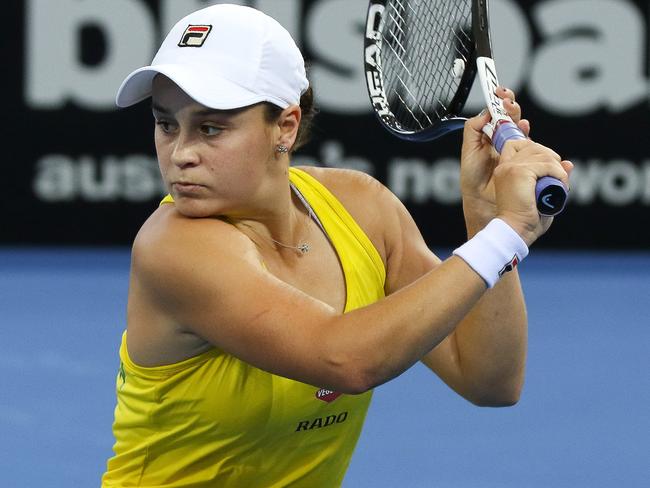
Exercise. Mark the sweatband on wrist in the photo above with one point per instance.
(493, 251)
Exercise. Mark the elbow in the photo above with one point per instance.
(497, 390)
(496, 402)
(355, 377)
(356, 382)
(355, 368)
(355, 389)
(497, 398)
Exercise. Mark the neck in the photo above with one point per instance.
(284, 226)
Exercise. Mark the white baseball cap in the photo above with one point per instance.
(224, 57)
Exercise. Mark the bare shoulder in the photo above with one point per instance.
(170, 255)
(345, 183)
(169, 246)
(371, 204)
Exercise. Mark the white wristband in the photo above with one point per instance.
(495, 250)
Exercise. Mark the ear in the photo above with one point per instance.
(288, 124)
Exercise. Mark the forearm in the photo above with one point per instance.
(393, 334)
(491, 344)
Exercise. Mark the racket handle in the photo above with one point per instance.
(505, 131)
(550, 193)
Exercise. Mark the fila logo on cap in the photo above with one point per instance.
(195, 35)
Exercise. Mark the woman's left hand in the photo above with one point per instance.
(478, 160)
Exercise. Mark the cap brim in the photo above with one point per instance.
(221, 95)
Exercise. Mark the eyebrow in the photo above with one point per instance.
(159, 108)
(201, 113)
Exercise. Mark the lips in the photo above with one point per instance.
(186, 186)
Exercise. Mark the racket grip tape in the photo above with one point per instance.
(550, 193)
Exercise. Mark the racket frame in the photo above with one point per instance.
(487, 72)
(448, 122)
(551, 193)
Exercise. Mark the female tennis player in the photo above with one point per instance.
(266, 301)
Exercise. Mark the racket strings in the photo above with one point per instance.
(421, 41)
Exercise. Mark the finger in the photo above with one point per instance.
(537, 152)
(547, 168)
(512, 108)
(514, 146)
(509, 102)
(503, 92)
(524, 126)
(549, 151)
(473, 132)
(555, 170)
(477, 122)
(568, 167)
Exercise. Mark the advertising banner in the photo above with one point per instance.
(78, 171)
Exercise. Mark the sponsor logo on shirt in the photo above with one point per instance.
(327, 396)
(322, 422)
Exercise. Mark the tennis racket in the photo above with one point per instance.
(421, 59)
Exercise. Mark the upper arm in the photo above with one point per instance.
(206, 277)
(395, 234)
(407, 257)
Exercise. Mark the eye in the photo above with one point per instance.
(210, 130)
(164, 125)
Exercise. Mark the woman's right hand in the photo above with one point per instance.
(521, 164)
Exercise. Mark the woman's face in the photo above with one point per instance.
(213, 162)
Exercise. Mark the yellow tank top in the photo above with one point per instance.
(214, 421)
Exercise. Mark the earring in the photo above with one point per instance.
(282, 149)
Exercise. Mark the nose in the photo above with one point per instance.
(185, 153)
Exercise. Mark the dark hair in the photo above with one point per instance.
(272, 113)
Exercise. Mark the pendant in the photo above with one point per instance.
(303, 248)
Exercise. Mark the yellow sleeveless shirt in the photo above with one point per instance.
(214, 421)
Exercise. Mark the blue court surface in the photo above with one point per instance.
(583, 420)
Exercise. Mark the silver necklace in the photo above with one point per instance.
(303, 247)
